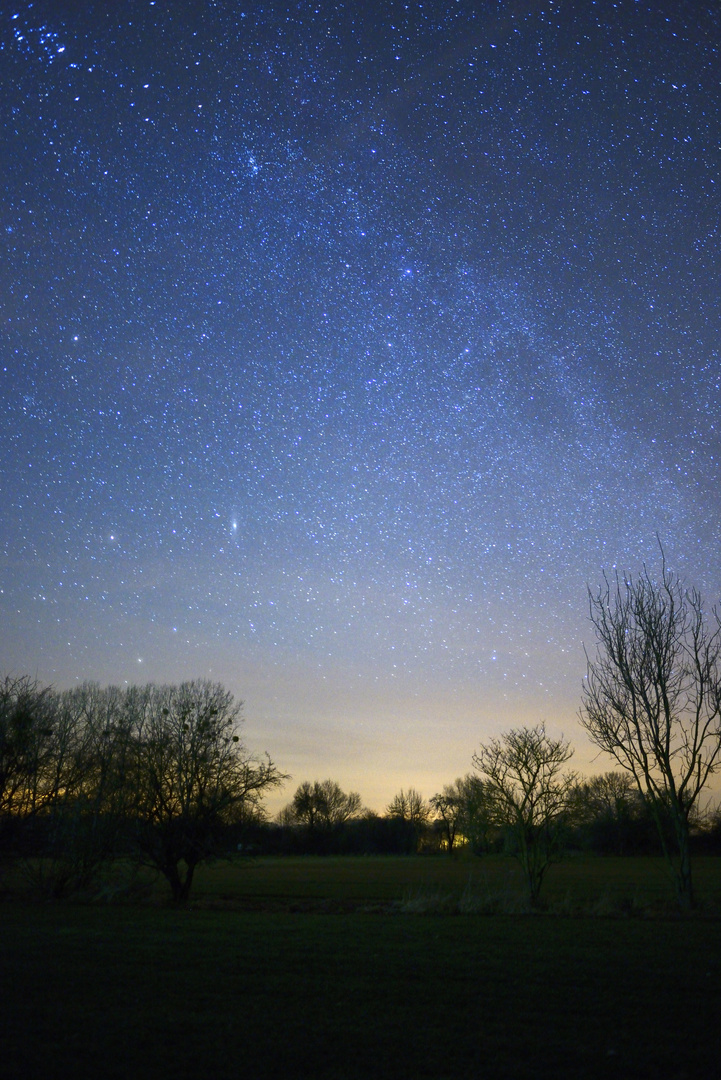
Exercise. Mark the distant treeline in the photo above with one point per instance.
(159, 776)
(605, 815)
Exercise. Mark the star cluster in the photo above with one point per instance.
(343, 345)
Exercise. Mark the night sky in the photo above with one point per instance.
(343, 345)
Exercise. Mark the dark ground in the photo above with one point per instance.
(117, 991)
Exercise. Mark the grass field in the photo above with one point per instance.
(578, 885)
(330, 979)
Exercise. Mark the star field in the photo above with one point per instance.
(343, 345)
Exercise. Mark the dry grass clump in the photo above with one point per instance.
(425, 901)
(484, 899)
(472, 901)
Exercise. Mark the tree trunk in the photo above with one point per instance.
(684, 882)
(185, 888)
(172, 876)
(534, 884)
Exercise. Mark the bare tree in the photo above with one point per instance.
(450, 806)
(409, 806)
(610, 812)
(476, 822)
(192, 773)
(323, 805)
(411, 814)
(81, 791)
(58, 759)
(25, 728)
(612, 793)
(528, 794)
(652, 699)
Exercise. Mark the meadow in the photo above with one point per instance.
(355, 967)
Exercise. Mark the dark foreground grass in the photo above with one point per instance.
(120, 992)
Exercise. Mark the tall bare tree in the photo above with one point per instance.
(528, 793)
(652, 699)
